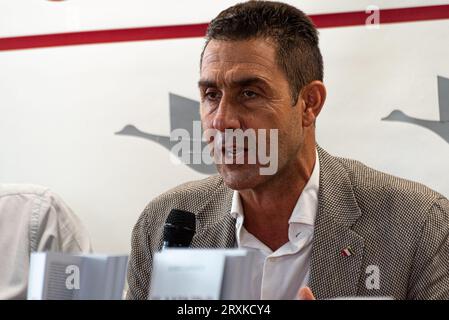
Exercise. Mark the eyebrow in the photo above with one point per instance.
(238, 83)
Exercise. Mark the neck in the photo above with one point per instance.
(269, 206)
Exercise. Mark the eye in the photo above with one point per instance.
(249, 94)
(212, 95)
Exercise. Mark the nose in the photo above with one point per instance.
(226, 116)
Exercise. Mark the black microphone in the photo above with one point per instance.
(179, 229)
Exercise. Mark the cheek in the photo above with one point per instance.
(292, 118)
(290, 130)
(277, 114)
(206, 120)
(205, 124)
(275, 121)
(208, 133)
(265, 117)
(294, 129)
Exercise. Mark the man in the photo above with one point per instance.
(32, 219)
(324, 226)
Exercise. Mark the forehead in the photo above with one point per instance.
(228, 59)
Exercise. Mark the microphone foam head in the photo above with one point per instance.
(179, 228)
(181, 218)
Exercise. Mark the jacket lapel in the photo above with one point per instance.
(215, 225)
(337, 252)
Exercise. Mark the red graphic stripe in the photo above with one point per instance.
(199, 30)
(103, 36)
(386, 16)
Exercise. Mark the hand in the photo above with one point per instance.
(305, 294)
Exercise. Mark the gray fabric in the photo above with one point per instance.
(400, 226)
(32, 218)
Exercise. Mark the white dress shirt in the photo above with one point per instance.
(278, 275)
(33, 219)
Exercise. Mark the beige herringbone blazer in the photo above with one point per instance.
(394, 226)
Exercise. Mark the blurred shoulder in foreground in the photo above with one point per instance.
(33, 218)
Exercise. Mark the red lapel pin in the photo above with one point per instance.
(346, 252)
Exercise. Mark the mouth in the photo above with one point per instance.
(232, 152)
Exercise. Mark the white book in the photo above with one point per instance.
(58, 276)
(201, 274)
(236, 284)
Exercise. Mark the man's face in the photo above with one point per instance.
(242, 87)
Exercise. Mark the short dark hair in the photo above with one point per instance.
(291, 30)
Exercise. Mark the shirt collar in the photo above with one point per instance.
(306, 207)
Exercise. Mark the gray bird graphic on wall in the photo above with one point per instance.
(183, 112)
(441, 126)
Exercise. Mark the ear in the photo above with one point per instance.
(312, 96)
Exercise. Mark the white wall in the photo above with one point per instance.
(60, 107)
